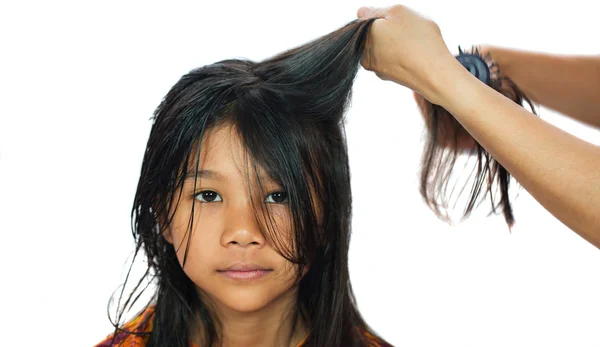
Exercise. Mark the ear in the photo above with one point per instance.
(167, 234)
(160, 221)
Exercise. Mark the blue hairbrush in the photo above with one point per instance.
(479, 66)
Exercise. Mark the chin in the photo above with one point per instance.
(245, 300)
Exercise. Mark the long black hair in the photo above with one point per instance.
(289, 111)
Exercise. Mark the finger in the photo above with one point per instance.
(370, 12)
(364, 12)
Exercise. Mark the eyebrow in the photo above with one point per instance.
(205, 174)
(216, 176)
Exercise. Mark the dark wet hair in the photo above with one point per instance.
(446, 140)
(289, 112)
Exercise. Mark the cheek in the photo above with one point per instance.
(203, 242)
(280, 237)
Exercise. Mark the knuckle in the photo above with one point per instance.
(397, 10)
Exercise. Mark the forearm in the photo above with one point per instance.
(559, 170)
(567, 84)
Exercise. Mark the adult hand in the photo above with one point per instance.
(405, 47)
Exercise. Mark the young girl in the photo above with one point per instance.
(243, 205)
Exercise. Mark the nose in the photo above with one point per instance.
(241, 227)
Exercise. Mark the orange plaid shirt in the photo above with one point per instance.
(143, 324)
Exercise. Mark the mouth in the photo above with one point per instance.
(245, 271)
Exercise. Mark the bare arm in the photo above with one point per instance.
(559, 170)
(567, 84)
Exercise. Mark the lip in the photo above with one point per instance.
(245, 271)
(245, 267)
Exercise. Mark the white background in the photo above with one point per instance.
(79, 81)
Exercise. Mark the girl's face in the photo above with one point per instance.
(234, 266)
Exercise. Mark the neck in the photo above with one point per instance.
(277, 324)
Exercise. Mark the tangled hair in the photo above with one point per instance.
(446, 140)
(289, 112)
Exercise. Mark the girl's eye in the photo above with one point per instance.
(277, 198)
(208, 196)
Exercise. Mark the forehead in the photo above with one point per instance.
(219, 145)
(222, 151)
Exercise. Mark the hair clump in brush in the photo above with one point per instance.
(446, 140)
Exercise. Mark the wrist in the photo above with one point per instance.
(444, 79)
(455, 87)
